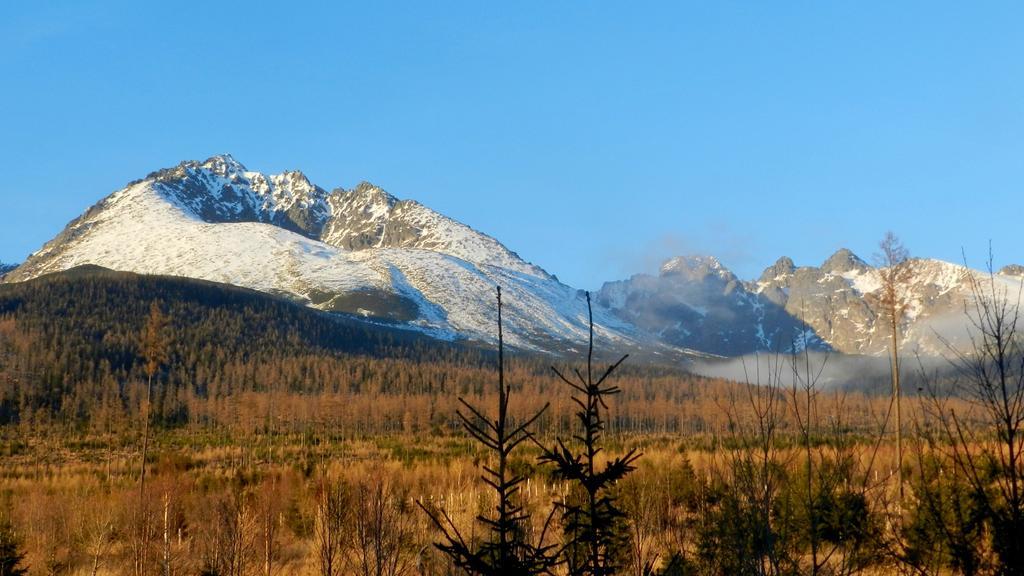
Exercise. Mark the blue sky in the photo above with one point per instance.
(595, 139)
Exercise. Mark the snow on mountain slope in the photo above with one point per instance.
(365, 252)
(362, 252)
(368, 217)
(696, 302)
(840, 301)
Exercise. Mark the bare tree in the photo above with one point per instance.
(141, 533)
(331, 515)
(166, 561)
(987, 443)
(154, 351)
(838, 521)
(96, 530)
(153, 345)
(756, 476)
(269, 507)
(895, 269)
(804, 397)
(647, 506)
(381, 529)
(228, 536)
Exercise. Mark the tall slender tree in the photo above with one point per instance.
(509, 551)
(896, 272)
(154, 352)
(593, 525)
(332, 512)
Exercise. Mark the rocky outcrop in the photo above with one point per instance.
(697, 302)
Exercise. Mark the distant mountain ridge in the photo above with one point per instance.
(696, 302)
(369, 254)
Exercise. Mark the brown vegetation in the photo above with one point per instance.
(301, 459)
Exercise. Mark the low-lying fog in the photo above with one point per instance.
(831, 370)
(947, 334)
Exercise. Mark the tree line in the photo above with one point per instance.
(71, 359)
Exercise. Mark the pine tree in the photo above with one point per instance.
(509, 550)
(594, 531)
(11, 555)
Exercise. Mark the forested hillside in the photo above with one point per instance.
(71, 356)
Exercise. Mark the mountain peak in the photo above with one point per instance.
(223, 165)
(367, 187)
(696, 268)
(782, 267)
(290, 184)
(369, 191)
(691, 262)
(843, 260)
(365, 201)
(294, 176)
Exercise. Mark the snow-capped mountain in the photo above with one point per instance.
(359, 251)
(368, 253)
(697, 303)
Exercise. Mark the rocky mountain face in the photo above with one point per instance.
(697, 303)
(369, 254)
(221, 190)
(360, 251)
